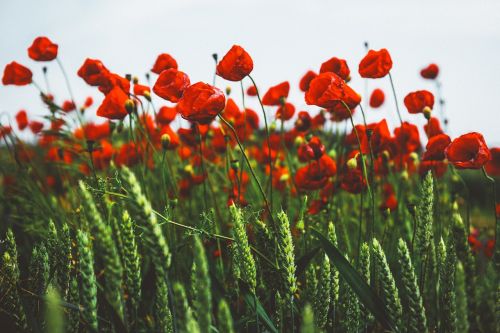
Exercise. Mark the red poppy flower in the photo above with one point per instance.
(94, 132)
(252, 91)
(430, 72)
(380, 137)
(163, 62)
(93, 72)
(306, 80)
(468, 151)
(328, 91)
(113, 105)
(22, 120)
(436, 146)
(171, 84)
(16, 74)
(416, 101)
(166, 115)
(201, 103)
(433, 127)
(337, 66)
(312, 150)
(276, 94)
(5, 130)
(352, 181)
(88, 102)
(285, 111)
(316, 174)
(235, 65)
(42, 49)
(438, 168)
(111, 80)
(303, 122)
(68, 106)
(493, 166)
(375, 64)
(140, 89)
(377, 98)
(407, 138)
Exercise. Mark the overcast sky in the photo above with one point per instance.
(285, 39)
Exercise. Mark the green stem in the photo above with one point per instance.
(395, 99)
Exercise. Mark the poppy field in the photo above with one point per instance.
(164, 205)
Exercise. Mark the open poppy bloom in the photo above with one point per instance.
(436, 146)
(285, 111)
(166, 115)
(201, 103)
(407, 138)
(276, 94)
(235, 65)
(42, 49)
(22, 120)
(375, 64)
(93, 72)
(36, 126)
(493, 166)
(352, 181)
(163, 62)
(416, 101)
(111, 80)
(171, 84)
(433, 127)
(377, 98)
(430, 72)
(16, 74)
(337, 66)
(306, 80)
(328, 91)
(113, 105)
(316, 174)
(68, 106)
(252, 91)
(468, 151)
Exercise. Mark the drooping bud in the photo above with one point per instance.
(228, 90)
(352, 163)
(165, 141)
(427, 111)
(129, 106)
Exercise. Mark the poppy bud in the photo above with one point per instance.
(215, 57)
(404, 175)
(284, 177)
(386, 212)
(235, 165)
(135, 80)
(455, 206)
(427, 111)
(147, 96)
(282, 100)
(44, 69)
(165, 141)
(189, 169)
(352, 163)
(298, 141)
(228, 90)
(333, 154)
(272, 127)
(128, 77)
(414, 157)
(129, 106)
(147, 76)
(386, 156)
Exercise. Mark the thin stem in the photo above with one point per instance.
(492, 180)
(395, 99)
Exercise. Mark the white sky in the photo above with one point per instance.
(285, 39)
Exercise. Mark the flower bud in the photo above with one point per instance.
(135, 80)
(298, 141)
(147, 96)
(352, 163)
(235, 165)
(427, 111)
(284, 177)
(128, 77)
(404, 175)
(129, 106)
(165, 141)
(333, 154)
(228, 90)
(189, 169)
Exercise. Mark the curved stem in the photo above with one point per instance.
(395, 99)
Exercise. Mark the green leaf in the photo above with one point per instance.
(305, 260)
(254, 304)
(365, 294)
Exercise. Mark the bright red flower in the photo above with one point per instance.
(436, 146)
(468, 151)
(93, 72)
(94, 132)
(375, 64)
(303, 122)
(201, 103)
(316, 174)
(430, 72)
(433, 127)
(16, 74)
(286, 111)
(140, 89)
(68, 106)
(276, 94)
(337, 66)
(252, 91)
(88, 102)
(312, 150)
(306, 80)
(111, 80)
(438, 168)
(113, 105)
(380, 137)
(42, 49)
(493, 166)
(377, 98)
(163, 62)
(22, 120)
(328, 91)
(171, 84)
(416, 101)
(407, 138)
(235, 65)
(166, 115)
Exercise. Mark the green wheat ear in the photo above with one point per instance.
(54, 315)
(348, 308)
(63, 261)
(201, 279)
(163, 316)
(73, 316)
(364, 270)
(461, 299)
(414, 316)
(180, 304)
(9, 289)
(334, 273)
(424, 215)
(307, 320)
(390, 294)
(242, 254)
(224, 317)
(448, 312)
(286, 257)
(38, 279)
(323, 292)
(88, 284)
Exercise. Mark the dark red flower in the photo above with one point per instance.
(416, 101)
(16, 74)
(337, 66)
(166, 115)
(113, 105)
(433, 127)
(303, 122)
(468, 151)
(42, 49)
(407, 138)
(436, 146)
(316, 174)
(377, 98)
(493, 166)
(93, 72)
(22, 120)
(306, 80)
(375, 64)
(235, 65)
(201, 103)
(171, 84)
(252, 91)
(328, 91)
(276, 94)
(438, 168)
(163, 62)
(312, 150)
(352, 181)
(285, 111)
(430, 72)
